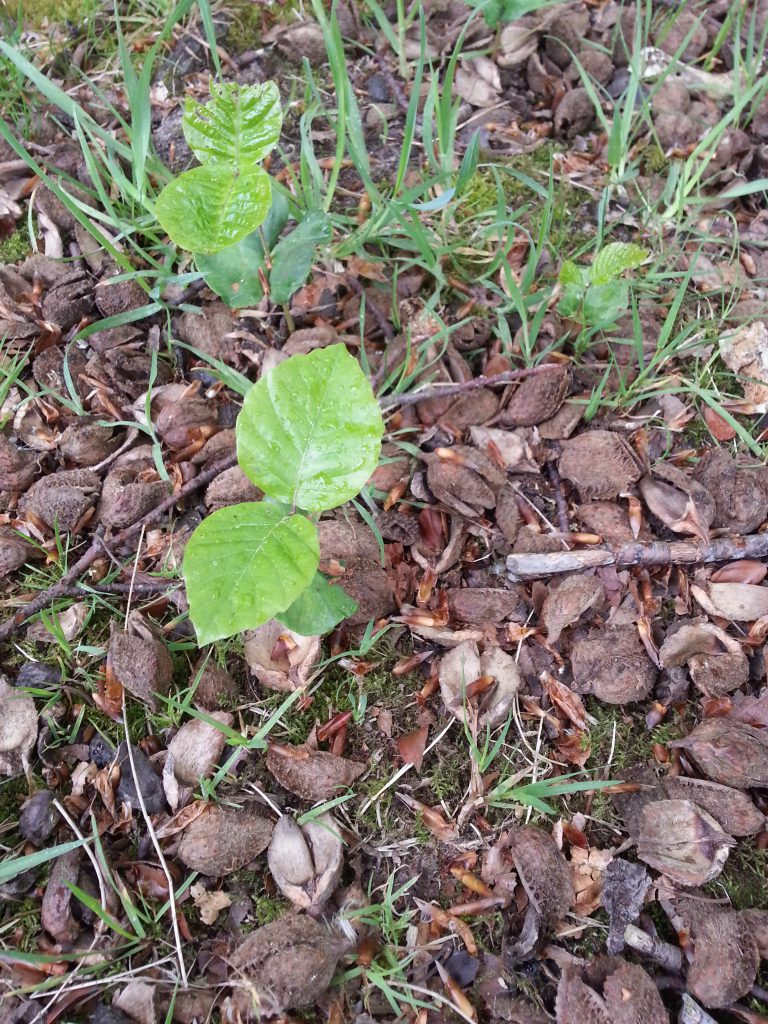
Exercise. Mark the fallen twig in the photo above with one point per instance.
(724, 549)
(86, 560)
(560, 503)
(447, 390)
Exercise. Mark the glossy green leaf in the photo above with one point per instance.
(614, 259)
(310, 430)
(292, 258)
(321, 607)
(245, 564)
(238, 126)
(210, 207)
(233, 272)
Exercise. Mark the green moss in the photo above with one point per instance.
(16, 247)
(36, 12)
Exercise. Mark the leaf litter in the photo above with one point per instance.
(646, 674)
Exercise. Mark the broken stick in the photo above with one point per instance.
(725, 549)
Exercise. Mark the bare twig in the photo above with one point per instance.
(86, 560)
(724, 549)
(446, 390)
(663, 953)
(560, 503)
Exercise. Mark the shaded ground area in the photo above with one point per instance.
(525, 780)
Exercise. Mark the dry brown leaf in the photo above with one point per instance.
(719, 428)
(137, 999)
(478, 82)
(411, 747)
(587, 871)
(433, 818)
(311, 774)
(306, 862)
(679, 501)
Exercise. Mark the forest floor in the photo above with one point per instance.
(527, 779)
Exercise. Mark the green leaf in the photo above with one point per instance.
(614, 259)
(571, 274)
(309, 433)
(321, 607)
(233, 272)
(238, 126)
(245, 564)
(570, 304)
(604, 303)
(210, 207)
(292, 258)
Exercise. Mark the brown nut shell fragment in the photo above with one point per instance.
(224, 839)
(729, 752)
(537, 398)
(141, 664)
(682, 841)
(462, 665)
(599, 463)
(739, 489)
(731, 809)
(289, 963)
(612, 664)
(544, 873)
(566, 603)
(724, 953)
(311, 774)
(306, 861)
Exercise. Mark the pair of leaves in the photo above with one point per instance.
(309, 436)
(237, 272)
(594, 294)
(219, 203)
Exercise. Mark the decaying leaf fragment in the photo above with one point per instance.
(544, 874)
(623, 895)
(682, 841)
(311, 774)
(306, 861)
(731, 808)
(493, 672)
(18, 729)
(728, 751)
(280, 658)
(566, 603)
(287, 964)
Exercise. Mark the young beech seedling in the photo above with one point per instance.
(309, 436)
(226, 211)
(597, 295)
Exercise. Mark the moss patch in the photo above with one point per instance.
(16, 247)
